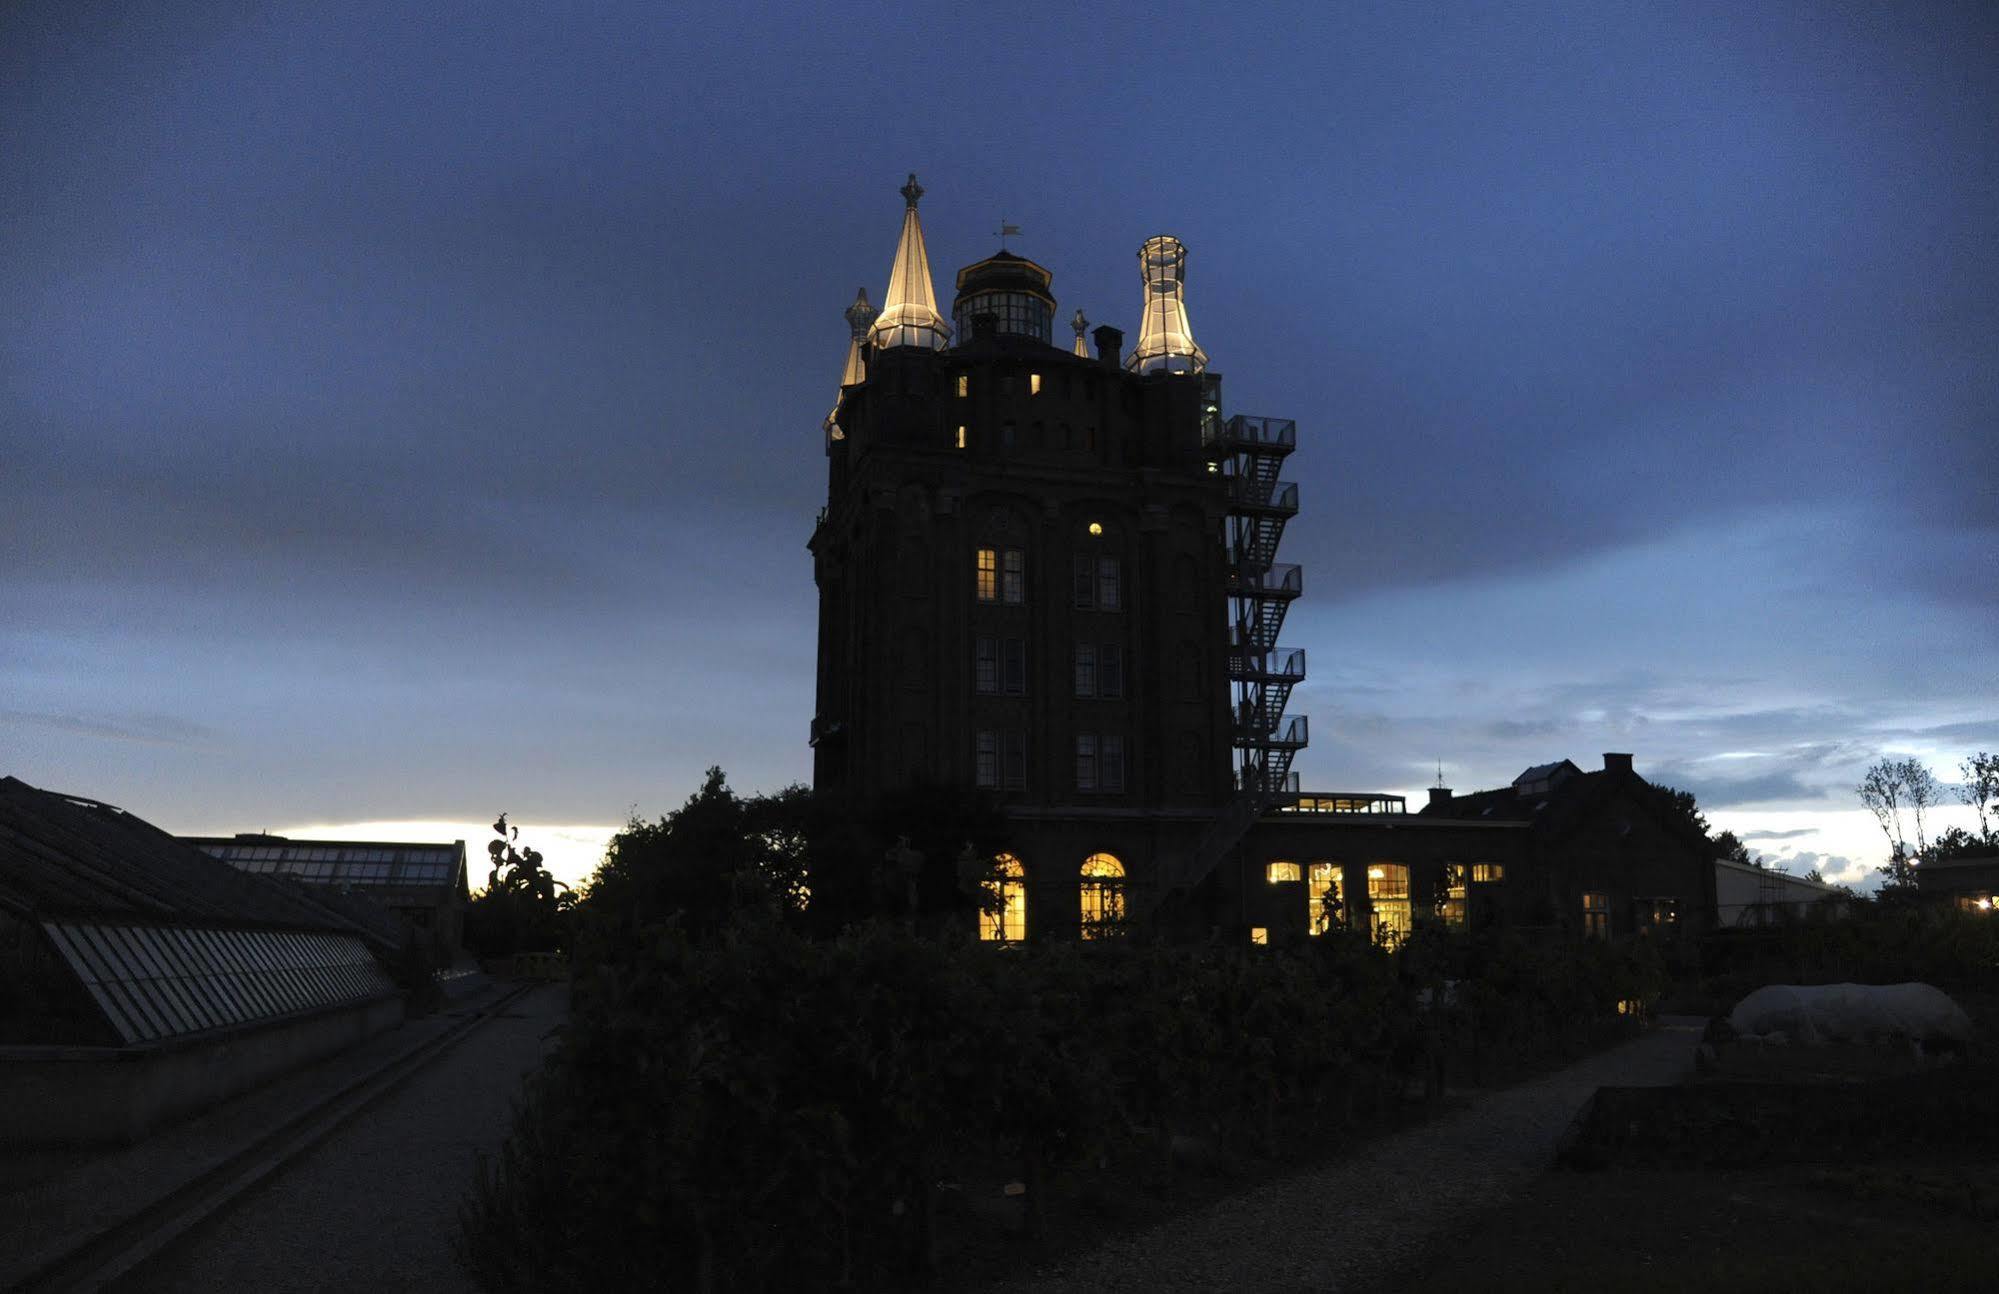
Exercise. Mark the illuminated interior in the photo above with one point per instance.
(964, 386)
(1102, 897)
(1323, 879)
(1034, 384)
(1165, 338)
(1453, 910)
(1009, 885)
(1275, 872)
(1388, 894)
(961, 435)
(988, 574)
(1259, 934)
(1596, 916)
(1487, 873)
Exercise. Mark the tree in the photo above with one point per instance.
(1980, 790)
(523, 907)
(1727, 846)
(1888, 786)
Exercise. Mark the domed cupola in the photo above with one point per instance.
(1011, 289)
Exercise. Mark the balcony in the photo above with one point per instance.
(1281, 665)
(1341, 802)
(1278, 498)
(1284, 580)
(1258, 435)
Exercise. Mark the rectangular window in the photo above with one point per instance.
(1085, 586)
(1013, 577)
(964, 386)
(1110, 670)
(1109, 584)
(1596, 916)
(1034, 384)
(985, 771)
(961, 435)
(1006, 435)
(1111, 770)
(988, 574)
(1086, 669)
(1013, 771)
(1013, 661)
(1487, 873)
(985, 664)
(1086, 761)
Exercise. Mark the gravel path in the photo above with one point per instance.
(1360, 1222)
(375, 1205)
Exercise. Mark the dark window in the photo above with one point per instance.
(1110, 584)
(1085, 582)
(1112, 770)
(986, 760)
(1014, 663)
(1013, 577)
(1086, 761)
(1086, 669)
(985, 668)
(1014, 770)
(1110, 670)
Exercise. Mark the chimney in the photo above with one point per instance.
(1110, 344)
(1439, 795)
(1616, 763)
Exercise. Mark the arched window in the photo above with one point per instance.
(1275, 872)
(1008, 884)
(1102, 897)
(1388, 894)
(1325, 879)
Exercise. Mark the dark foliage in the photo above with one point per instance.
(523, 908)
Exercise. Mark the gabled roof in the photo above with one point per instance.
(1546, 772)
(1568, 800)
(63, 857)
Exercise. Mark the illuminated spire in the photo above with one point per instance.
(1079, 323)
(1165, 338)
(859, 316)
(909, 313)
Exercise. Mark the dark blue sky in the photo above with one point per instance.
(412, 412)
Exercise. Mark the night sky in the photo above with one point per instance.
(409, 413)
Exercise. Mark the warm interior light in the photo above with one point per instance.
(1259, 934)
(1034, 384)
(964, 385)
(961, 437)
(1096, 528)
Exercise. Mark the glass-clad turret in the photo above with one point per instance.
(1013, 290)
(1165, 338)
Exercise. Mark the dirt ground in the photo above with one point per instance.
(1919, 1224)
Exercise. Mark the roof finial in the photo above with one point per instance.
(909, 312)
(1007, 231)
(859, 316)
(1079, 324)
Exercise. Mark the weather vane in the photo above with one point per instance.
(1007, 231)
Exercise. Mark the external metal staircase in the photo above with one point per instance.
(1249, 453)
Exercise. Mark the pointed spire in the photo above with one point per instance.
(909, 312)
(1079, 323)
(859, 316)
(1165, 338)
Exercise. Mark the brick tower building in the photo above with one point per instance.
(1050, 575)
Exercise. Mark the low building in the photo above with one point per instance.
(1971, 881)
(1747, 895)
(423, 884)
(142, 981)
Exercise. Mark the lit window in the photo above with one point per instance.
(1259, 934)
(961, 435)
(1278, 872)
(1086, 669)
(1651, 915)
(1326, 879)
(1102, 897)
(1453, 907)
(985, 664)
(1112, 763)
(1596, 916)
(1388, 895)
(1034, 384)
(1487, 873)
(988, 574)
(1013, 672)
(964, 389)
(1013, 584)
(986, 761)
(1109, 583)
(1007, 923)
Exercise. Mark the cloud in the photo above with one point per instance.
(152, 729)
(1777, 835)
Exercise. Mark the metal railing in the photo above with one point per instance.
(1340, 802)
(1280, 434)
(1280, 580)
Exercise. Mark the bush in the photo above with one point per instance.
(763, 1110)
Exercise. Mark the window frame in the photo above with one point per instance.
(985, 573)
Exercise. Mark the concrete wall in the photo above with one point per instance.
(76, 1096)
